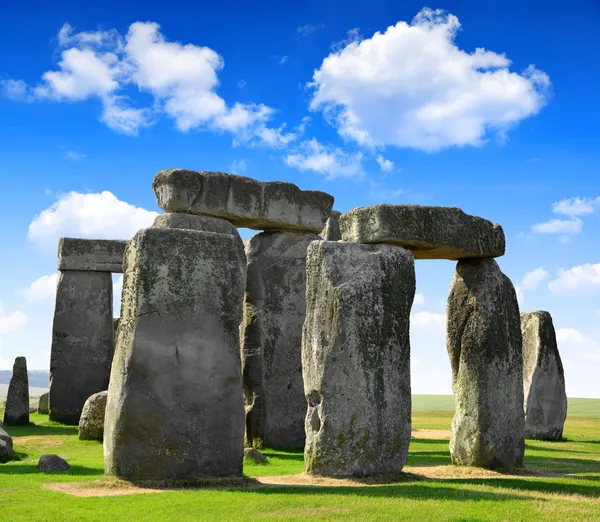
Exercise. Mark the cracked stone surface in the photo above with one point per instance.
(175, 406)
(244, 202)
(98, 255)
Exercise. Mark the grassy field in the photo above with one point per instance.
(560, 481)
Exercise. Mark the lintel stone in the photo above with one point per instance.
(94, 255)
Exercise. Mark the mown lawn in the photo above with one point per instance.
(561, 482)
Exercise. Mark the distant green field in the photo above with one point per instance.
(577, 407)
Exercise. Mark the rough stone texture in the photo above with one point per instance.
(91, 423)
(243, 201)
(543, 378)
(356, 358)
(17, 399)
(274, 311)
(429, 232)
(6, 444)
(96, 255)
(43, 404)
(82, 342)
(332, 232)
(175, 406)
(115, 328)
(196, 222)
(484, 345)
(51, 463)
(255, 456)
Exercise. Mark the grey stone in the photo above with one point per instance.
(17, 399)
(429, 232)
(91, 423)
(175, 406)
(52, 464)
(332, 232)
(356, 358)
(543, 378)
(243, 201)
(115, 328)
(274, 311)
(6, 444)
(484, 345)
(196, 222)
(96, 255)
(82, 342)
(43, 404)
(255, 456)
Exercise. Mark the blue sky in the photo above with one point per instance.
(489, 108)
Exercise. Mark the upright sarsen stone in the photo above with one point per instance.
(484, 345)
(543, 378)
(274, 311)
(82, 342)
(356, 358)
(17, 398)
(175, 407)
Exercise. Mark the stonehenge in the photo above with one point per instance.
(6, 444)
(17, 398)
(543, 378)
(91, 422)
(332, 232)
(43, 404)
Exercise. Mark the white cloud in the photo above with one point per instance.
(411, 86)
(576, 206)
(330, 161)
(11, 322)
(574, 344)
(384, 164)
(308, 29)
(578, 279)
(353, 35)
(238, 166)
(520, 295)
(41, 289)
(74, 155)
(532, 279)
(419, 299)
(565, 227)
(282, 60)
(95, 215)
(429, 321)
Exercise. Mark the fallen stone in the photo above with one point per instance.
(96, 255)
(429, 232)
(91, 423)
(243, 201)
(52, 464)
(271, 332)
(356, 358)
(543, 378)
(82, 342)
(332, 232)
(6, 444)
(16, 411)
(484, 345)
(175, 406)
(255, 456)
(43, 404)
(196, 222)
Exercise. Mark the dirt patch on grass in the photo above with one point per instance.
(431, 434)
(87, 489)
(36, 442)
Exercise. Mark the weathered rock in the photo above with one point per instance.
(429, 232)
(115, 328)
(543, 378)
(175, 406)
(274, 311)
(91, 423)
(243, 201)
(17, 399)
(331, 232)
(95, 255)
(196, 222)
(82, 342)
(356, 358)
(255, 456)
(484, 345)
(43, 404)
(6, 444)
(51, 463)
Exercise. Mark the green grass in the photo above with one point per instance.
(561, 482)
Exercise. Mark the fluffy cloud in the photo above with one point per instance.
(576, 206)
(411, 86)
(563, 227)
(578, 279)
(384, 164)
(419, 299)
(531, 279)
(95, 215)
(308, 29)
(11, 322)
(429, 321)
(330, 161)
(42, 289)
(576, 345)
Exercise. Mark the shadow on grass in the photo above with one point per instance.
(41, 430)
(14, 468)
(562, 465)
(296, 456)
(443, 442)
(563, 450)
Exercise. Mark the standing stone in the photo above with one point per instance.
(6, 444)
(91, 423)
(43, 404)
(175, 406)
(356, 358)
(543, 378)
(274, 311)
(82, 342)
(484, 345)
(17, 399)
(331, 232)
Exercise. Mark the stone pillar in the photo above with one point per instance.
(175, 406)
(17, 398)
(356, 358)
(43, 404)
(82, 332)
(484, 345)
(274, 311)
(543, 378)
(332, 232)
